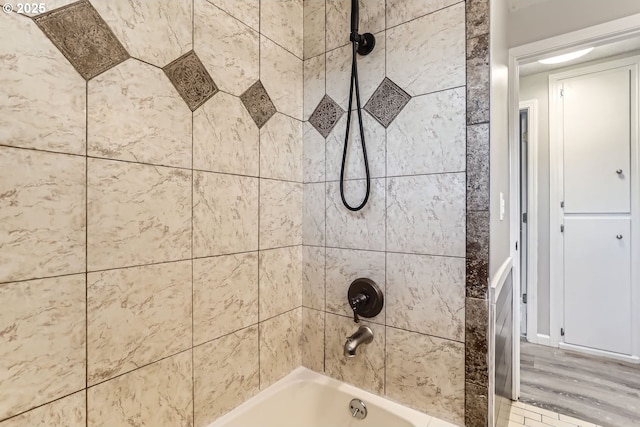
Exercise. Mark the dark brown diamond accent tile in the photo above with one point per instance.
(83, 37)
(257, 101)
(326, 115)
(387, 102)
(191, 79)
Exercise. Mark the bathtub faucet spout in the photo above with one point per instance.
(364, 335)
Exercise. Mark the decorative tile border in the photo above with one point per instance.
(83, 37)
(387, 102)
(191, 79)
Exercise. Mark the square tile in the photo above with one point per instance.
(313, 214)
(343, 267)
(339, 19)
(42, 348)
(136, 316)
(426, 373)
(426, 294)
(282, 76)
(313, 148)
(280, 346)
(312, 339)
(83, 37)
(399, 11)
(154, 395)
(69, 411)
(326, 116)
(436, 42)
(135, 114)
(356, 230)
(281, 149)
(42, 214)
(387, 102)
(225, 295)
(314, 70)
(280, 281)
(137, 214)
(280, 214)
(314, 27)
(225, 137)
(313, 277)
(191, 80)
(282, 22)
(429, 135)
(258, 103)
(36, 84)
(426, 214)
(225, 214)
(223, 376)
(366, 370)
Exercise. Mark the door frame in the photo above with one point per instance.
(556, 241)
(607, 32)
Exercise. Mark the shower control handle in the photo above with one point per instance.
(355, 302)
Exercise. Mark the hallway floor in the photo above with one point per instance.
(602, 391)
(525, 415)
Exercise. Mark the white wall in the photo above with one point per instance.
(555, 17)
(499, 136)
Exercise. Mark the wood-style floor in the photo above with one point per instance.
(595, 389)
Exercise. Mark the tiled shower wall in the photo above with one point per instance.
(150, 209)
(423, 236)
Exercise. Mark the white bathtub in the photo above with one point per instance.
(307, 399)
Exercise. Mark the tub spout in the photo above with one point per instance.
(364, 335)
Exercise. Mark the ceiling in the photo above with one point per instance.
(599, 52)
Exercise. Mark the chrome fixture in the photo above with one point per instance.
(364, 335)
(365, 298)
(362, 44)
(358, 409)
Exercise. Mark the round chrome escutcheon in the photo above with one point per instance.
(358, 409)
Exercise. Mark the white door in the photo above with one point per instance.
(596, 137)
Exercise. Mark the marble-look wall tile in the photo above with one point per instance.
(136, 316)
(281, 75)
(314, 82)
(225, 137)
(280, 213)
(477, 348)
(219, 38)
(313, 214)
(375, 139)
(281, 148)
(477, 12)
(426, 294)
(225, 295)
(312, 339)
(356, 230)
(225, 214)
(366, 370)
(428, 136)
(478, 84)
(191, 80)
(247, 11)
(477, 275)
(280, 281)
(36, 83)
(155, 395)
(42, 345)
(155, 32)
(313, 154)
(478, 167)
(69, 411)
(426, 214)
(135, 114)
(314, 27)
(400, 11)
(426, 373)
(225, 374)
(313, 274)
(436, 44)
(477, 405)
(280, 346)
(338, 12)
(42, 214)
(339, 63)
(282, 22)
(343, 267)
(137, 214)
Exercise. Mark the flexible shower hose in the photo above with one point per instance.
(354, 83)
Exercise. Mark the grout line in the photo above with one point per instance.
(193, 365)
(2, 420)
(86, 255)
(386, 217)
(259, 173)
(324, 302)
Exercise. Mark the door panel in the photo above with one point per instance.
(597, 270)
(597, 137)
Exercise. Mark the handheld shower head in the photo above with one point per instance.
(355, 12)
